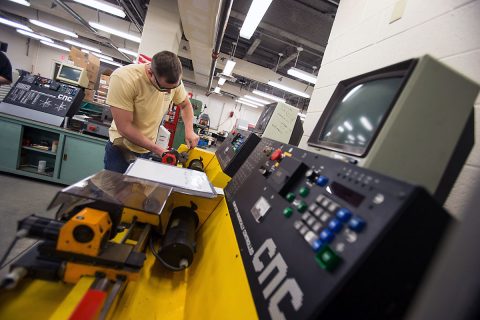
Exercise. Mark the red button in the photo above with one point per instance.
(92, 128)
(276, 155)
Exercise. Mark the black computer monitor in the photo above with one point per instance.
(358, 109)
(412, 120)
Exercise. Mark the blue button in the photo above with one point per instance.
(335, 225)
(344, 214)
(327, 236)
(317, 245)
(322, 181)
(357, 224)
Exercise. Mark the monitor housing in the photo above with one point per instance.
(72, 75)
(280, 122)
(412, 120)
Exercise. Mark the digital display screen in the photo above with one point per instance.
(358, 115)
(352, 197)
(264, 118)
(69, 73)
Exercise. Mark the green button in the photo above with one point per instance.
(287, 212)
(302, 206)
(327, 259)
(304, 191)
(290, 196)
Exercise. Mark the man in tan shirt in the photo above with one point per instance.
(139, 96)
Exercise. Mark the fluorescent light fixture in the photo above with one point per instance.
(99, 55)
(249, 97)
(268, 96)
(288, 89)
(34, 35)
(302, 75)
(221, 81)
(55, 45)
(249, 101)
(367, 125)
(246, 103)
(348, 125)
(103, 6)
(110, 30)
(216, 90)
(81, 45)
(113, 63)
(254, 16)
(340, 129)
(229, 67)
(22, 2)
(14, 24)
(351, 92)
(351, 137)
(361, 138)
(53, 28)
(132, 53)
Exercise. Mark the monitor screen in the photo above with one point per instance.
(264, 118)
(70, 73)
(359, 113)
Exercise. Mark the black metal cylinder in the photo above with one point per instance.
(178, 246)
(196, 164)
(40, 227)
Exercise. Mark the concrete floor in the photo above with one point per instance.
(20, 197)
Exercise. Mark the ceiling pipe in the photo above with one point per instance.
(227, 8)
(86, 25)
(130, 15)
(138, 10)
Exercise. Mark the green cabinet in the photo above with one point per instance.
(80, 159)
(66, 156)
(10, 137)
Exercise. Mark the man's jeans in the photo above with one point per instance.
(114, 160)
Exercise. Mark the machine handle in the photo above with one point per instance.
(65, 157)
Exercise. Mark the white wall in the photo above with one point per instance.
(218, 108)
(362, 39)
(34, 57)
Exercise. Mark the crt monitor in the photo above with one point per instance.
(280, 122)
(412, 120)
(72, 75)
(264, 118)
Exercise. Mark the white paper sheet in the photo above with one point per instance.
(181, 179)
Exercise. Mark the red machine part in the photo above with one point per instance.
(90, 305)
(171, 124)
(276, 155)
(169, 158)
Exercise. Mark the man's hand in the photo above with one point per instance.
(191, 139)
(158, 150)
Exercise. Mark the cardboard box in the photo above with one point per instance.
(89, 94)
(104, 80)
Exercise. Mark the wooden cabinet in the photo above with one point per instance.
(24, 144)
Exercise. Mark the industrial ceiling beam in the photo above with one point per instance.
(131, 16)
(86, 25)
(253, 47)
(287, 60)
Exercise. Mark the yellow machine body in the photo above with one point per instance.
(215, 286)
(99, 224)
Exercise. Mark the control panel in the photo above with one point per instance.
(236, 148)
(323, 238)
(45, 95)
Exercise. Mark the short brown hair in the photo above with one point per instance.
(166, 64)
